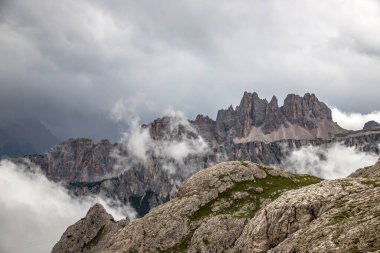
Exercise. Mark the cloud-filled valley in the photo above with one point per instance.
(35, 211)
(330, 161)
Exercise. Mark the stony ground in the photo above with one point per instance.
(243, 207)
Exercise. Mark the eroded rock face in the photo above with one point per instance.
(257, 120)
(237, 189)
(77, 160)
(259, 210)
(90, 232)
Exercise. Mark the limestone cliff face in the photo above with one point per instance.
(90, 232)
(77, 160)
(146, 185)
(257, 120)
(245, 207)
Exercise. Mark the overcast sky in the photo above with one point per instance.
(68, 62)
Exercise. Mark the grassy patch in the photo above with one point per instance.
(182, 246)
(272, 187)
(339, 218)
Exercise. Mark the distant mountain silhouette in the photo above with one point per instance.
(25, 137)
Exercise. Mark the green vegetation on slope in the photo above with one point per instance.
(258, 190)
(252, 194)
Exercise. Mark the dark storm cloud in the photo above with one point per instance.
(68, 62)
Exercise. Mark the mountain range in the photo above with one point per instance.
(256, 130)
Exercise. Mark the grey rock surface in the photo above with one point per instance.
(181, 224)
(90, 232)
(257, 120)
(290, 213)
(332, 216)
(371, 125)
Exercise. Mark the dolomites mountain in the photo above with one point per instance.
(243, 207)
(257, 120)
(256, 130)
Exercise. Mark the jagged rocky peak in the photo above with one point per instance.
(302, 110)
(245, 207)
(171, 127)
(371, 125)
(257, 120)
(205, 126)
(91, 231)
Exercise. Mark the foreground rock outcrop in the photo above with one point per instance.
(91, 232)
(245, 207)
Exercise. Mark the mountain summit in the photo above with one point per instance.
(256, 119)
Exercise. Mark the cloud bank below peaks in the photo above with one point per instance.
(353, 120)
(328, 162)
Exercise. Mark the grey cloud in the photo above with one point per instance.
(69, 62)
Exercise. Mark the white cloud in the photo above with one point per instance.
(328, 162)
(180, 150)
(35, 212)
(127, 110)
(353, 120)
(180, 140)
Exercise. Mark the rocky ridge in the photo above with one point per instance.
(246, 207)
(257, 120)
